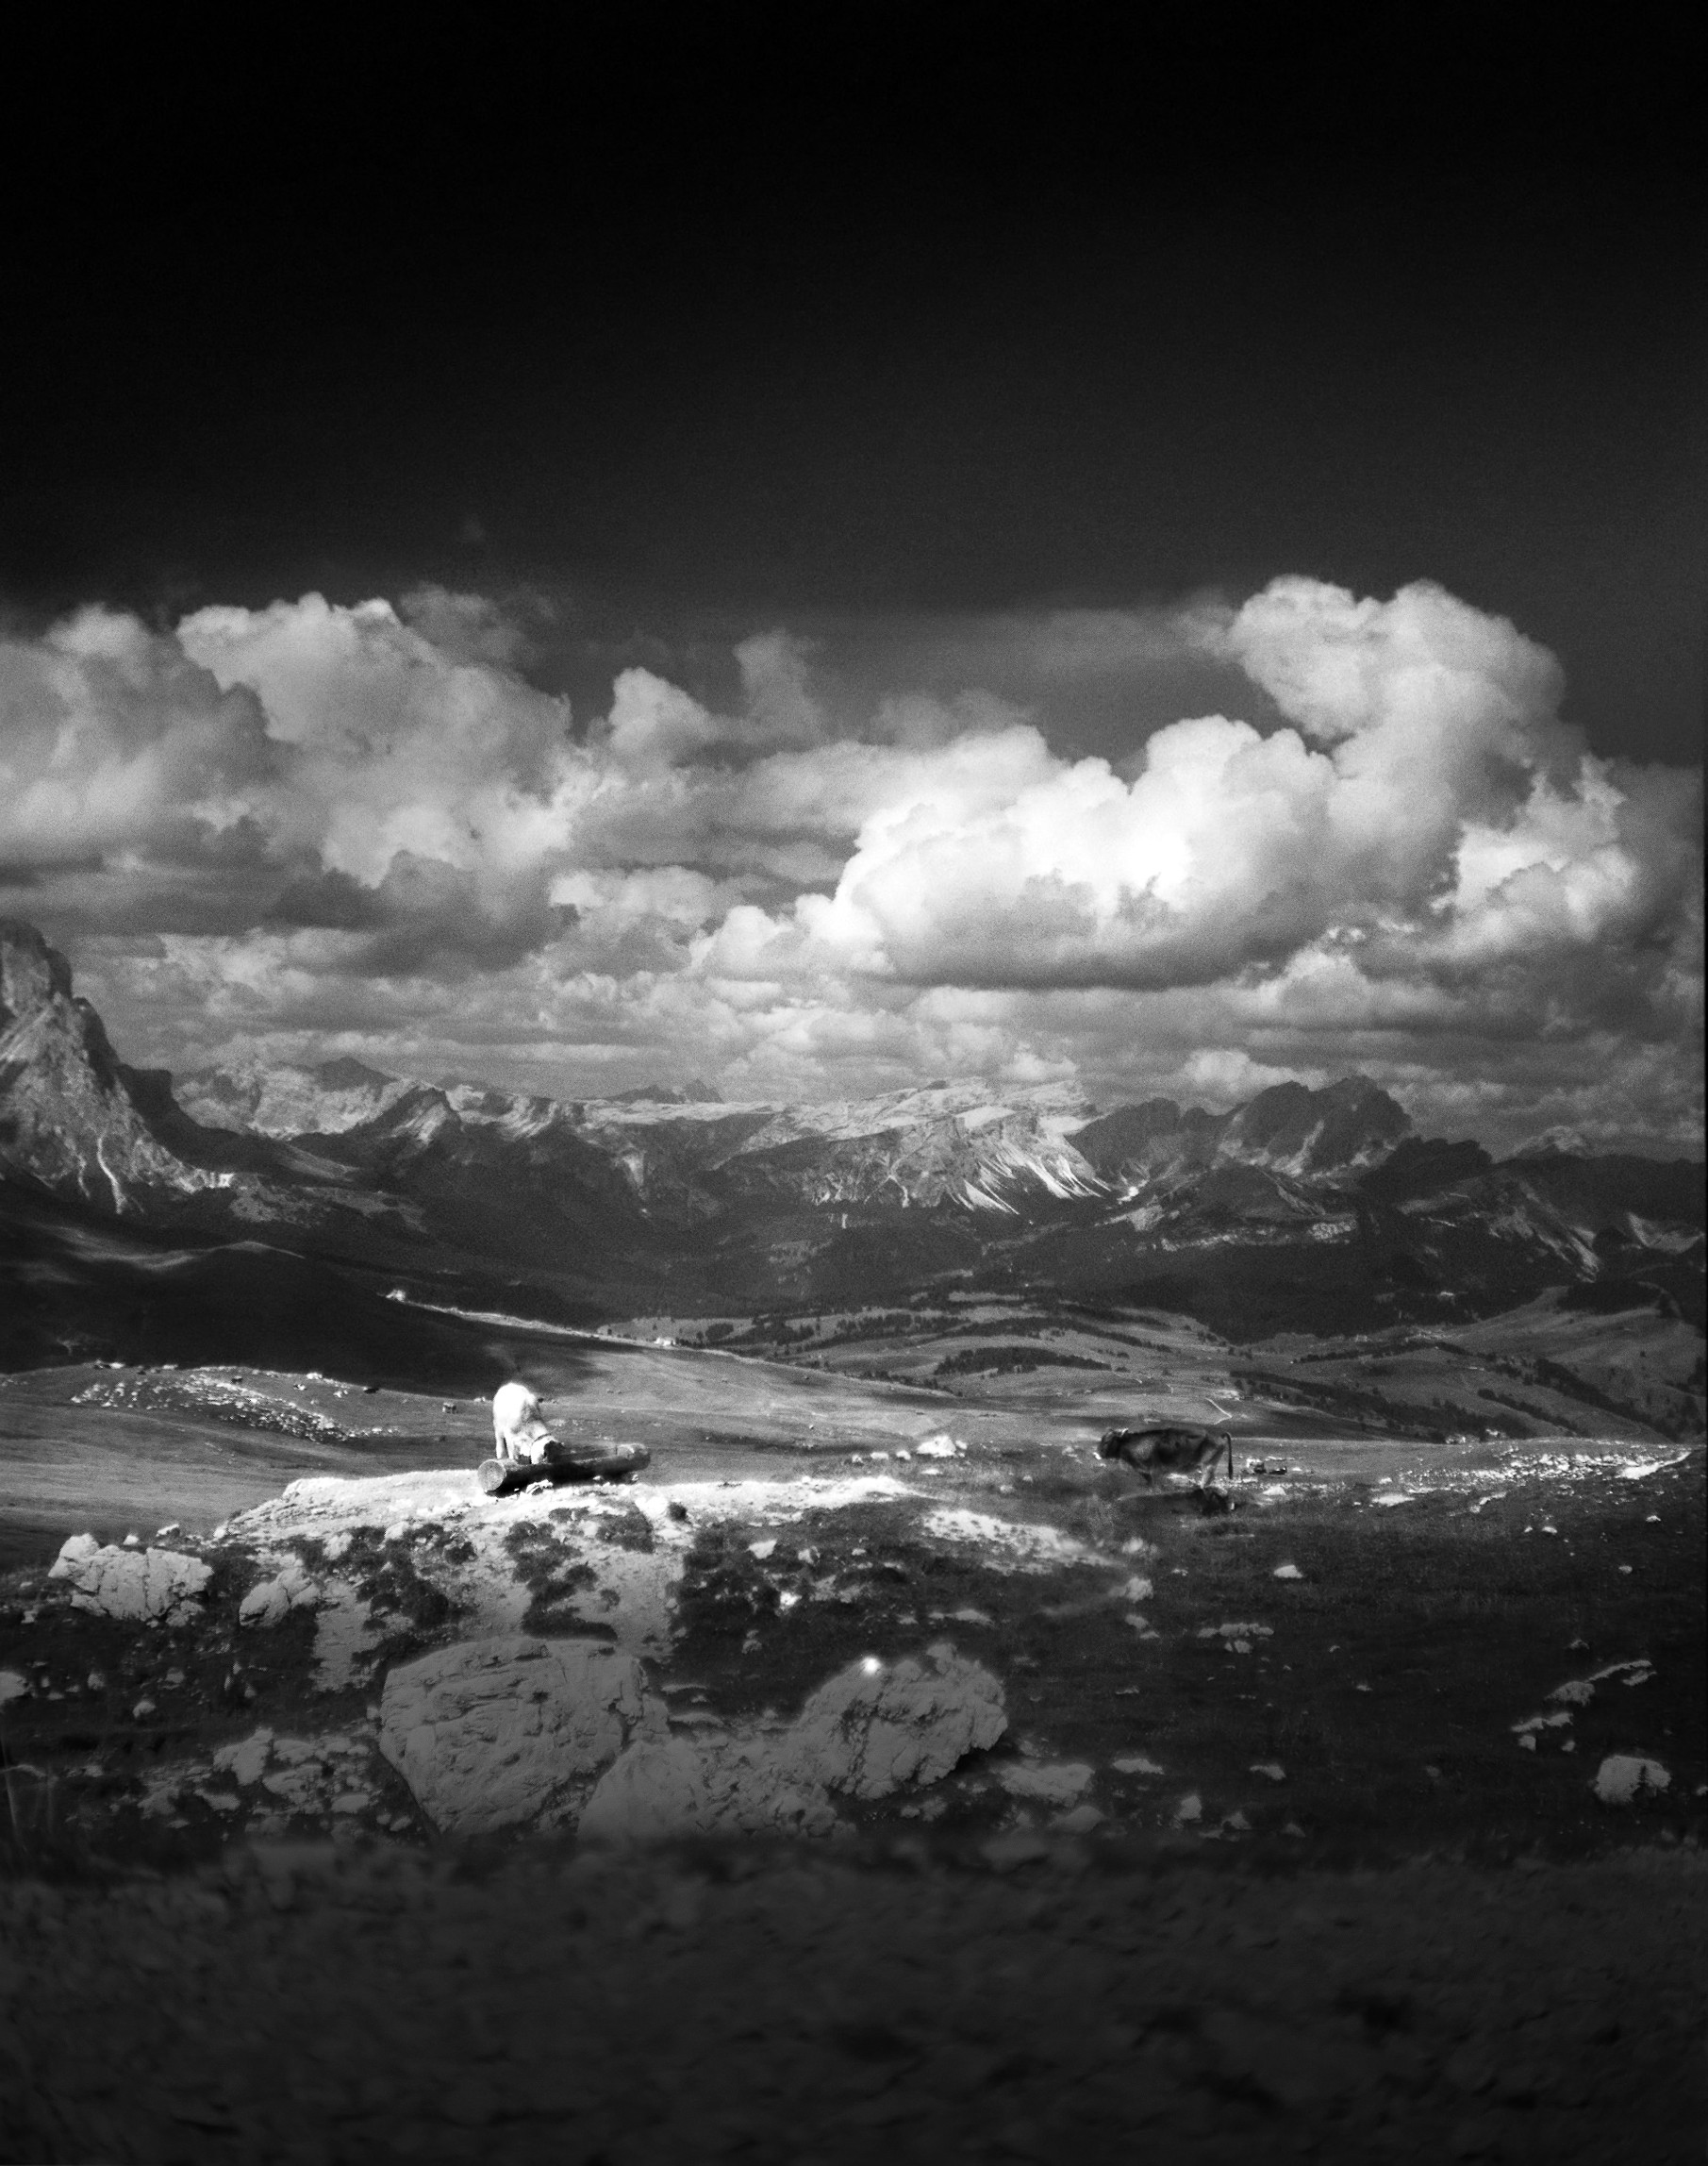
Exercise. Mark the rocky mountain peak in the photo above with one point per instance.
(32, 975)
(73, 1120)
(1350, 1123)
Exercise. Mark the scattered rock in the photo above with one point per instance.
(270, 1601)
(1060, 1784)
(135, 1585)
(245, 1762)
(1007, 1544)
(1579, 1692)
(1624, 1778)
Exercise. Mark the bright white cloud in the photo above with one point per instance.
(365, 828)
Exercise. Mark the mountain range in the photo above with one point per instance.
(1303, 1209)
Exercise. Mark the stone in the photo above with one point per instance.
(509, 1730)
(651, 1791)
(874, 1728)
(270, 1601)
(1060, 1784)
(137, 1585)
(245, 1761)
(1624, 1778)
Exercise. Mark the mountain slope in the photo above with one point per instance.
(75, 1121)
(1313, 1210)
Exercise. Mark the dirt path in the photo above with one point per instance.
(343, 2004)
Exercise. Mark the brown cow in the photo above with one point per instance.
(1168, 1448)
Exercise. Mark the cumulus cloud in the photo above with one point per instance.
(366, 827)
(1424, 810)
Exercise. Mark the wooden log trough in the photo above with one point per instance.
(563, 1463)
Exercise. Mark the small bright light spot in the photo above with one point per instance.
(871, 1664)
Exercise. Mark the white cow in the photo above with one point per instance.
(518, 1432)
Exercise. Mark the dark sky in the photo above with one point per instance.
(703, 319)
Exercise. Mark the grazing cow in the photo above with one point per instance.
(518, 1432)
(1168, 1448)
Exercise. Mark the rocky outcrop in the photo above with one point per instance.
(270, 1601)
(73, 1120)
(280, 1100)
(137, 1586)
(511, 1731)
(867, 1733)
(872, 1728)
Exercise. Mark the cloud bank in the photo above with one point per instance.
(312, 828)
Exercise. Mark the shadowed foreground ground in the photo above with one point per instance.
(345, 2003)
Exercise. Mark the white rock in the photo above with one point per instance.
(271, 1600)
(1007, 1545)
(152, 1585)
(498, 1732)
(1080, 1820)
(1190, 1808)
(1622, 1777)
(868, 1731)
(1272, 1769)
(942, 1446)
(13, 1685)
(1060, 1784)
(1138, 1589)
(653, 1791)
(245, 1762)
(1135, 1763)
(1286, 1572)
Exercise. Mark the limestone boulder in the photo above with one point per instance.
(874, 1727)
(653, 1790)
(141, 1586)
(270, 1601)
(512, 1731)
